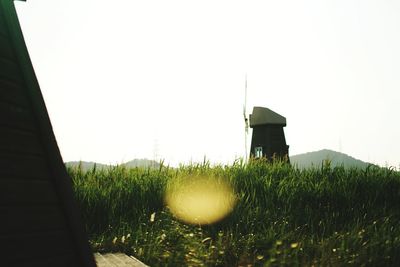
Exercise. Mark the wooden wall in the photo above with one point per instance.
(39, 220)
(272, 140)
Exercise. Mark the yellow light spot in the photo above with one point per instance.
(200, 200)
(152, 217)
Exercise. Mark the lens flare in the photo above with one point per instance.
(200, 200)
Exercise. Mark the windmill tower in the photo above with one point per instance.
(268, 139)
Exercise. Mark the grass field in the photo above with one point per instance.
(283, 216)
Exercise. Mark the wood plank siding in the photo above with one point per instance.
(40, 222)
(117, 260)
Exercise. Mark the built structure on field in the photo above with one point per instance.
(268, 138)
(40, 222)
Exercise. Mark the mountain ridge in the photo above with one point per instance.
(135, 163)
(304, 160)
(316, 158)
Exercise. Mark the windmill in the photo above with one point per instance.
(246, 120)
(268, 138)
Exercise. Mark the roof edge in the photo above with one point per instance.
(265, 116)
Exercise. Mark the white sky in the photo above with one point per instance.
(125, 79)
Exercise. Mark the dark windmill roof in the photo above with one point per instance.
(40, 223)
(265, 116)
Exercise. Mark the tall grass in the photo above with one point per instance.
(284, 216)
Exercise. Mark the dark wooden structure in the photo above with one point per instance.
(268, 139)
(39, 220)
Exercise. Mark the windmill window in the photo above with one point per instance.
(258, 152)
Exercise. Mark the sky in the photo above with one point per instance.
(165, 79)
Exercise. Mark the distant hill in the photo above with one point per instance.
(316, 158)
(85, 165)
(88, 165)
(142, 163)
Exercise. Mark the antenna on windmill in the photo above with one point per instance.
(246, 120)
